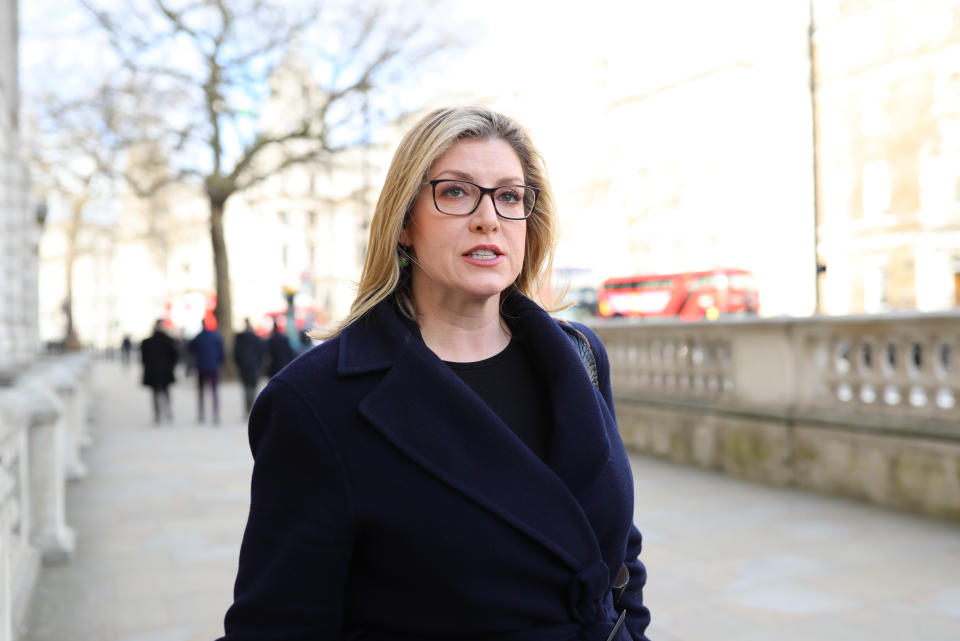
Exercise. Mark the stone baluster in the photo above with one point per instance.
(20, 560)
(80, 363)
(63, 380)
(50, 534)
(8, 516)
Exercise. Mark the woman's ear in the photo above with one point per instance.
(404, 236)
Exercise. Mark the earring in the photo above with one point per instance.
(402, 259)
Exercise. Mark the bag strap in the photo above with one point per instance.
(582, 345)
(619, 585)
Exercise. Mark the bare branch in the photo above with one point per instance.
(175, 18)
(150, 189)
(291, 160)
(262, 142)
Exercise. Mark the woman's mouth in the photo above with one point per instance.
(482, 254)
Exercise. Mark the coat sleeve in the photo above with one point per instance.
(638, 616)
(297, 544)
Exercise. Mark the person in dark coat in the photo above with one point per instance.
(446, 464)
(248, 354)
(126, 347)
(158, 353)
(279, 351)
(207, 350)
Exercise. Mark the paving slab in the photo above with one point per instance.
(160, 516)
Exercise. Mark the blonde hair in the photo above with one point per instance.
(429, 139)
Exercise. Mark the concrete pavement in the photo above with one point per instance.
(158, 521)
(160, 517)
(733, 561)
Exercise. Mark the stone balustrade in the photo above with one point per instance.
(867, 406)
(43, 425)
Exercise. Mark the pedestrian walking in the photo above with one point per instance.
(186, 356)
(207, 350)
(279, 352)
(248, 353)
(158, 353)
(447, 464)
(126, 346)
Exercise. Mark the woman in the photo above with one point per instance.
(443, 467)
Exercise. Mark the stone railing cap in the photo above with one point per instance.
(56, 375)
(38, 401)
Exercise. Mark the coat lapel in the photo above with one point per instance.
(430, 415)
(580, 448)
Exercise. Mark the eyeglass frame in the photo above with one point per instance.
(483, 192)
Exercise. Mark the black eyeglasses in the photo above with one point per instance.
(462, 197)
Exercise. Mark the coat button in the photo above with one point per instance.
(586, 590)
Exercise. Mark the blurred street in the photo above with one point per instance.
(160, 516)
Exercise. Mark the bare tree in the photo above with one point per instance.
(199, 74)
(70, 155)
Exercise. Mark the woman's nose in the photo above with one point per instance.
(485, 216)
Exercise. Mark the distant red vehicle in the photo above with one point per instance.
(688, 295)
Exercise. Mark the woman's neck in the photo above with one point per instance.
(463, 334)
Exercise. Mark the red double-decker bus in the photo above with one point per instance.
(688, 295)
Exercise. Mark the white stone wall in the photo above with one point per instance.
(888, 118)
(18, 228)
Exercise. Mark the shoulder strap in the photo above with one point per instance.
(582, 345)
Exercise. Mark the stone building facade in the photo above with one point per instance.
(19, 225)
(887, 95)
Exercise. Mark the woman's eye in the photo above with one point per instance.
(509, 196)
(453, 192)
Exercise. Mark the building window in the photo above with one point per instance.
(835, 188)
(282, 215)
(876, 188)
(956, 280)
(874, 120)
(875, 277)
(312, 217)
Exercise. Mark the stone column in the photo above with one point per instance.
(50, 533)
(79, 363)
(21, 560)
(58, 376)
(8, 509)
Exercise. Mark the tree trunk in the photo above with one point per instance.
(70, 339)
(224, 310)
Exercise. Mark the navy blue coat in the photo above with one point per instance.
(207, 348)
(390, 503)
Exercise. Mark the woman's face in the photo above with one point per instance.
(470, 258)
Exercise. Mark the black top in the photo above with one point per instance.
(509, 385)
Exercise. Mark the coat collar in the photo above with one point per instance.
(426, 411)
